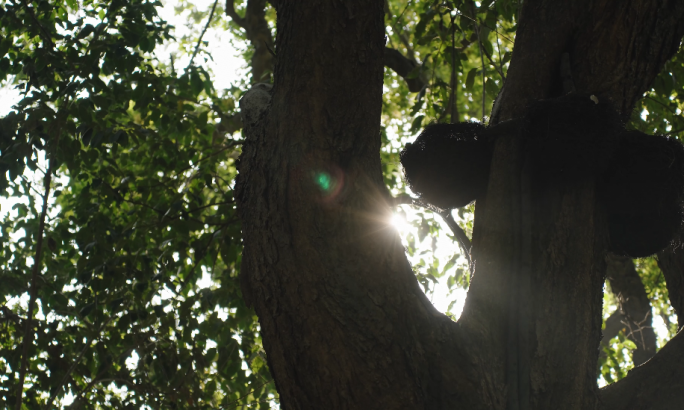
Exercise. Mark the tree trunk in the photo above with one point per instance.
(344, 322)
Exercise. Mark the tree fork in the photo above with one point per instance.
(343, 320)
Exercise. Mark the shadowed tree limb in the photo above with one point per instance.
(404, 66)
(259, 34)
(635, 308)
(671, 263)
(657, 381)
(613, 327)
(230, 12)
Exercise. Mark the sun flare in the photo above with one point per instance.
(399, 223)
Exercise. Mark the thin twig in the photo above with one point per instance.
(479, 42)
(227, 146)
(496, 67)
(199, 40)
(498, 50)
(244, 396)
(460, 235)
(452, 100)
(484, 25)
(674, 132)
(33, 292)
(45, 36)
(672, 110)
(204, 251)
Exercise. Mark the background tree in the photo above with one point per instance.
(121, 256)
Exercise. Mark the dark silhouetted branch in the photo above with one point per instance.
(404, 66)
(635, 306)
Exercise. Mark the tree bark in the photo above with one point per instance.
(343, 320)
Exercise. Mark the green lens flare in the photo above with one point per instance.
(324, 181)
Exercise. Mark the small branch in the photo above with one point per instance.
(674, 132)
(655, 384)
(33, 292)
(199, 40)
(634, 305)
(671, 263)
(230, 12)
(259, 35)
(667, 107)
(66, 376)
(8, 315)
(613, 327)
(44, 35)
(484, 25)
(498, 68)
(498, 50)
(403, 66)
(198, 258)
(98, 378)
(479, 42)
(460, 235)
(403, 199)
(236, 402)
(452, 98)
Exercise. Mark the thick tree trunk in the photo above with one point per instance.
(344, 323)
(556, 240)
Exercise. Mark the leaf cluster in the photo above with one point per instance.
(138, 302)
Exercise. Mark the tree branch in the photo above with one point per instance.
(656, 381)
(479, 42)
(260, 37)
(671, 263)
(27, 340)
(613, 327)
(404, 66)
(453, 109)
(44, 35)
(199, 40)
(635, 307)
(460, 235)
(230, 12)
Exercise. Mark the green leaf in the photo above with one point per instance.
(470, 79)
(417, 123)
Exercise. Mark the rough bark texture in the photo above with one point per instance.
(616, 49)
(344, 323)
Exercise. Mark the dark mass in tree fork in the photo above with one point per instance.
(639, 177)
